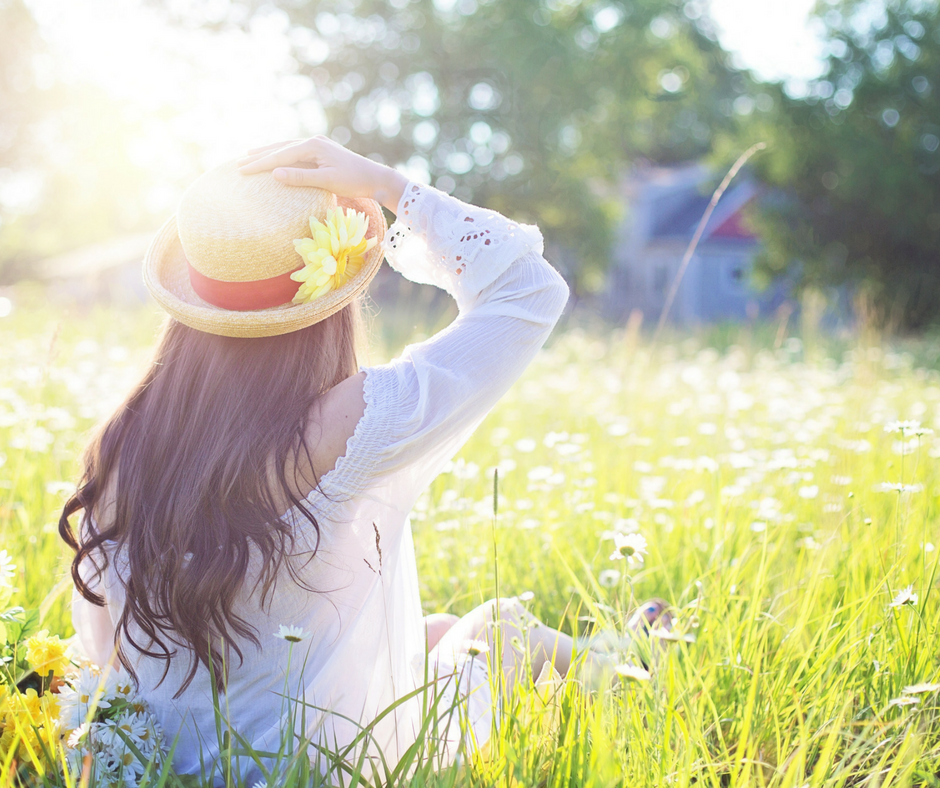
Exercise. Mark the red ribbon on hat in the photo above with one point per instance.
(244, 296)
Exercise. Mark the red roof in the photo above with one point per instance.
(735, 226)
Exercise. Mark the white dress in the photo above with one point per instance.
(367, 644)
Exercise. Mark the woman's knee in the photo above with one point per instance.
(480, 622)
(437, 625)
(505, 610)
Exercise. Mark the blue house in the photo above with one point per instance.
(664, 208)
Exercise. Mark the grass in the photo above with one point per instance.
(758, 475)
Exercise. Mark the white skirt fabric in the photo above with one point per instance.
(463, 702)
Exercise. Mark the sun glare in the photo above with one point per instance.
(775, 38)
(218, 91)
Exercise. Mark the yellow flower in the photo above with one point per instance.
(28, 722)
(7, 737)
(32, 705)
(50, 706)
(45, 653)
(333, 255)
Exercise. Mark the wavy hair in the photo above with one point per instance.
(190, 477)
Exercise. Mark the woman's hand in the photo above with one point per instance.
(321, 162)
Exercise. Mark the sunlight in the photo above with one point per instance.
(772, 37)
(220, 91)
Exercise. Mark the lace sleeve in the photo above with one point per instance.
(439, 240)
(422, 406)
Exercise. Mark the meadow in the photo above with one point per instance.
(787, 488)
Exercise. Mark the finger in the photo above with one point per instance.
(246, 160)
(308, 146)
(263, 161)
(272, 146)
(284, 157)
(301, 176)
(259, 153)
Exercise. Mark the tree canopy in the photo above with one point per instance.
(854, 163)
(532, 108)
(526, 107)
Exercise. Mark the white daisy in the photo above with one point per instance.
(898, 487)
(632, 672)
(83, 696)
(608, 578)
(291, 634)
(77, 736)
(670, 635)
(138, 728)
(633, 547)
(906, 596)
(904, 427)
(920, 689)
(476, 647)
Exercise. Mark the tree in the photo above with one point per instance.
(533, 108)
(855, 161)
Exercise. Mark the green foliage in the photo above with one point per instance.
(532, 108)
(856, 163)
(756, 473)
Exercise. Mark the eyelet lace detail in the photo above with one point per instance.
(440, 240)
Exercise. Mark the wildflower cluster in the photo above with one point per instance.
(27, 725)
(28, 666)
(48, 705)
(101, 715)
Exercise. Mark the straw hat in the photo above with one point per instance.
(222, 265)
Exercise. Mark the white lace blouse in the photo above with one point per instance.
(366, 645)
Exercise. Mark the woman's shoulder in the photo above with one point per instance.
(333, 422)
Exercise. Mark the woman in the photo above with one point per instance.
(256, 479)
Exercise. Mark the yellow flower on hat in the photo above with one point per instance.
(334, 254)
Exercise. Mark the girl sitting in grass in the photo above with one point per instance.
(244, 529)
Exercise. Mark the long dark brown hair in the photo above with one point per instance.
(192, 474)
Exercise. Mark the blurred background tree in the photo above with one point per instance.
(532, 108)
(855, 163)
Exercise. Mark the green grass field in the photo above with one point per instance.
(784, 522)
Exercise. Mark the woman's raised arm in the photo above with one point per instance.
(423, 406)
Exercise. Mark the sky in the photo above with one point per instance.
(772, 37)
(231, 90)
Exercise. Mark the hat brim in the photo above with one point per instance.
(166, 274)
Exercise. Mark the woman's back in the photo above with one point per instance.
(349, 581)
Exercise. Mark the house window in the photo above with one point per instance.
(735, 272)
(660, 276)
